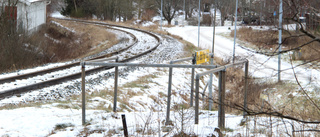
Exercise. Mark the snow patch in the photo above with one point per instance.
(57, 14)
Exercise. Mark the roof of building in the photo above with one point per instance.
(28, 2)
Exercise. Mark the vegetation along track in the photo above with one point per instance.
(46, 83)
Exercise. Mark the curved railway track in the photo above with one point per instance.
(69, 77)
(28, 75)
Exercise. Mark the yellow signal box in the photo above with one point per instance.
(202, 56)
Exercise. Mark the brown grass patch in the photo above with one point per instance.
(265, 96)
(20, 105)
(235, 82)
(235, 89)
(260, 39)
(18, 50)
(310, 52)
(89, 39)
(141, 82)
(53, 43)
(288, 99)
(267, 40)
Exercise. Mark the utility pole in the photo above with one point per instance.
(242, 11)
(184, 9)
(214, 24)
(161, 15)
(280, 40)
(250, 12)
(261, 5)
(235, 32)
(184, 6)
(199, 23)
(212, 56)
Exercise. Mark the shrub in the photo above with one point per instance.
(63, 126)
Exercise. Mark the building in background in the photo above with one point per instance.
(27, 15)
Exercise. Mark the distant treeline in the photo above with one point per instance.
(103, 9)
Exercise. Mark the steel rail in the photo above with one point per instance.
(56, 81)
(36, 73)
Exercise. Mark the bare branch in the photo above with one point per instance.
(304, 92)
(275, 114)
(307, 130)
(269, 112)
(274, 53)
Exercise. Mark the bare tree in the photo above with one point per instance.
(170, 7)
(55, 5)
(144, 6)
(226, 7)
(190, 6)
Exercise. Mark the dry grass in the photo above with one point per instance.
(141, 82)
(283, 97)
(151, 28)
(291, 103)
(260, 39)
(21, 105)
(61, 45)
(267, 40)
(287, 98)
(235, 82)
(309, 52)
(15, 47)
(235, 87)
(88, 38)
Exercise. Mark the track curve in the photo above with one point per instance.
(27, 75)
(56, 81)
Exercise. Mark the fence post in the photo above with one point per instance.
(222, 90)
(116, 73)
(197, 101)
(83, 82)
(124, 124)
(210, 85)
(245, 88)
(192, 81)
(169, 96)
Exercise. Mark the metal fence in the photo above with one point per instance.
(213, 69)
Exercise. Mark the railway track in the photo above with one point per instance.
(55, 81)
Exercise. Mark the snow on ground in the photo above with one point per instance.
(57, 14)
(61, 26)
(41, 121)
(261, 66)
(144, 23)
(63, 117)
(57, 74)
(49, 117)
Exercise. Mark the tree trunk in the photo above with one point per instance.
(242, 10)
(222, 20)
(169, 21)
(186, 9)
(139, 9)
(75, 5)
(232, 21)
